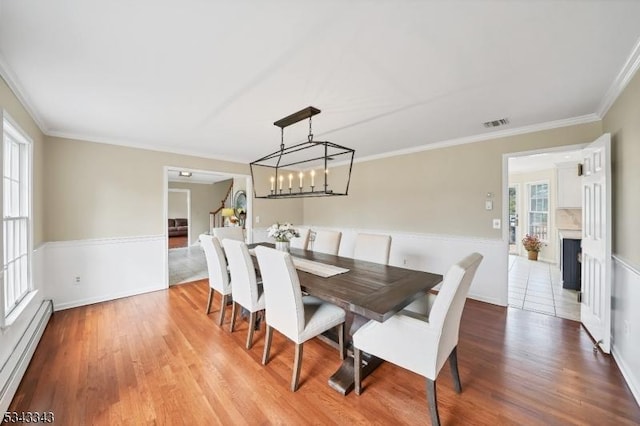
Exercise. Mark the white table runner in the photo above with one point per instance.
(317, 268)
(311, 266)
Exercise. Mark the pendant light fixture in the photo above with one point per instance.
(308, 169)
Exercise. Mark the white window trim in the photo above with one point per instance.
(7, 320)
(528, 206)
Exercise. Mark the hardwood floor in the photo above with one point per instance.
(158, 359)
(177, 242)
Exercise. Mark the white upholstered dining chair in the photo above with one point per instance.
(418, 343)
(298, 318)
(229, 232)
(372, 248)
(327, 242)
(301, 242)
(245, 289)
(218, 275)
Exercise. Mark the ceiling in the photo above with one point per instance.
(209, 78)
(544, 161)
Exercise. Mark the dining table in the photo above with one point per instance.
(365, 290)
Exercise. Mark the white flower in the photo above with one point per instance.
(282, 232)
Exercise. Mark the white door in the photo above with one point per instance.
(595, 312)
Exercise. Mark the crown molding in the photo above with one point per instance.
(583, 119)
(147, 147)
(14, 84)
(620, 82)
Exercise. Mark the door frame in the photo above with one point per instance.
(516, 187)
(505, 201)
(165, 206)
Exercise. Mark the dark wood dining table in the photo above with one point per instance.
(368, 291)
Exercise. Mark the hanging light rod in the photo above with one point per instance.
(307, 112)
(302, 170)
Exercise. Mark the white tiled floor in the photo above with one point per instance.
(537, 286)
(187, 264)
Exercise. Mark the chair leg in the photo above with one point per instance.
(267, 344)
(453, 364)
(357, 370)
(433, 402)
(234, 313)
(341, 340)
(252, 323)
(223, 306)
(210, 300)
(297, 365)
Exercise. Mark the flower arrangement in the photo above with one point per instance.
(532, 243)
(283, 232)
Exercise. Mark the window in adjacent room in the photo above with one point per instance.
(539, 210)
(16, 218)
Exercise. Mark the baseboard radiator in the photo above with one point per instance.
(17, 363)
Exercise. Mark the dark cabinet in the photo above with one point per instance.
(571, 273)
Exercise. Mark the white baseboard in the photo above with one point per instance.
(14, 368)
(105, 298)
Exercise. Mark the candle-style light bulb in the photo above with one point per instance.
(313, 175)
(273, 183)
(281, 179)
(290, 180)
(300, 175)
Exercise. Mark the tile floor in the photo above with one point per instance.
(187, 264)
(537, 286)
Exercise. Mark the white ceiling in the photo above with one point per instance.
(210, 77)
(543, 161)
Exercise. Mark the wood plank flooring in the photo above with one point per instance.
(158, 359)
(177, 242)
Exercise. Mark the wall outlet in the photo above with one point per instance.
(257, 219)
(496, 223)
(76, 280)
(626, 327)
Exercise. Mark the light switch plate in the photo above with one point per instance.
(488, 205)
(496, 223)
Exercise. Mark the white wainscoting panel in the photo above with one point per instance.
(90, 271)
(626, 322)
(436, 253)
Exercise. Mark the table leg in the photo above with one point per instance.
(343, 379)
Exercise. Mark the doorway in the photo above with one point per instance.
(207, 191)
(539, 202)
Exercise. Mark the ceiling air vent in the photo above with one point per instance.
(497, 123)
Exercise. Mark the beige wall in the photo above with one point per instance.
(623, 122)
(177, 203)
(98, 190)
(10, 103)
(440, 191)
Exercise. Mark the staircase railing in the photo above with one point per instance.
(215, 217)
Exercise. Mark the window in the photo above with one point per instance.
(16, 218)
(539, 210)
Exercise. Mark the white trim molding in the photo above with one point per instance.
(622, 79)
(14, 84)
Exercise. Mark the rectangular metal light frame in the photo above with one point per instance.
(279, 157)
